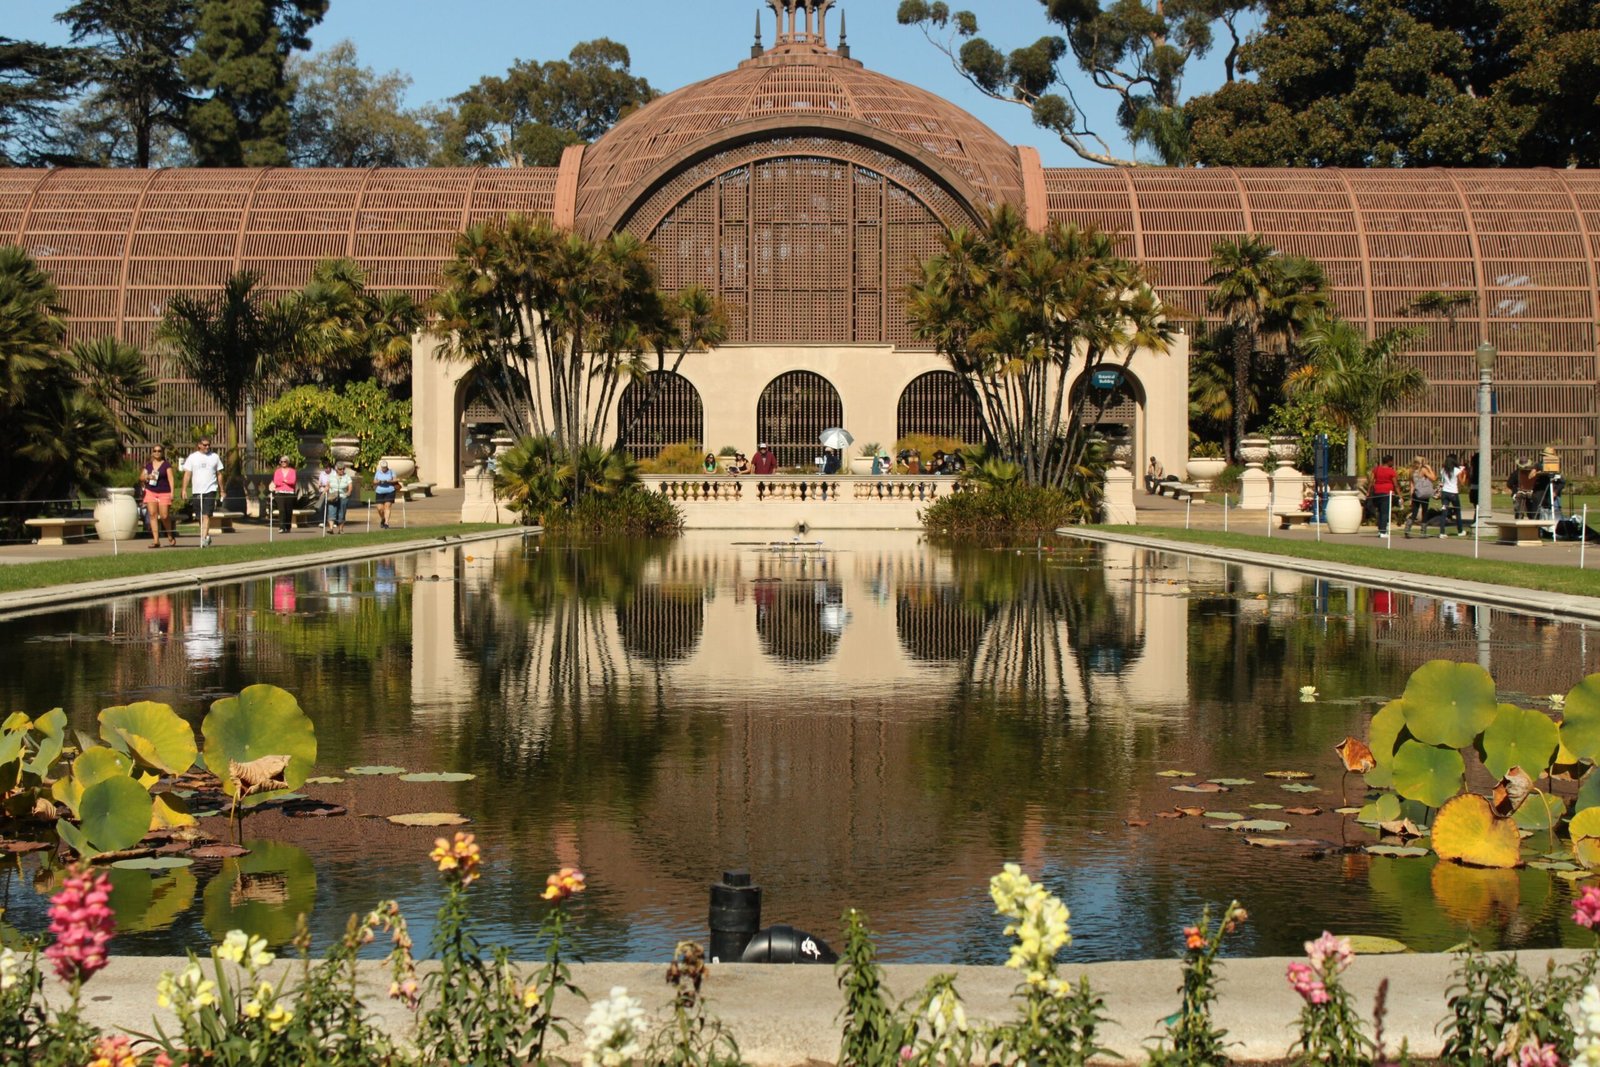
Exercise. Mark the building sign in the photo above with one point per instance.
(1106, 379)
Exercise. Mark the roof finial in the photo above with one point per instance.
(758, 48)
(844, 44)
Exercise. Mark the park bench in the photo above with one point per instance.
(1289, 519)
(223, 520)
(59, 531)
(1523, 533)
(1179, 491)
(304, 517)
(418, 490)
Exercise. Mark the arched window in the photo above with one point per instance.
(793, 411)
(659, 411)
(1119, 392)
(937, 404)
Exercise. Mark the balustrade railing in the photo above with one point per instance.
(759, 489)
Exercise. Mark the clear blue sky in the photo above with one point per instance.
(446, 45)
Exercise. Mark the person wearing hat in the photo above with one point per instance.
(766, 460)
(385, 486)
(340, 486)
(1522, 483)
(285, 481)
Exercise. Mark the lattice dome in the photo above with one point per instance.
(798, 86)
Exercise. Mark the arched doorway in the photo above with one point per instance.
(937, 404)
(1112, 403)
(662, 410)
(793, 411)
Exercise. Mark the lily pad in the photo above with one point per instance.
(1226, 816)
(1302, 811)
(430, 818)
(154, 863)
(1203, 787)
(1468, 831)
(1397, 851)
(1299, 787)
(1554, 865)
(1266, 807)
(439, 776)
(1448, 704)
(1369, 945)
(1174, 774)
(1580, 719)
(1346, 811)
(379, 769)
(1385, 730)
(219, 852)
(1429, 773)
(152, 733)
(324, 779)
(1284, 842)
(1259, 826)
(1230, 781)
(1518, 737)
(1289, 776)
(262, 720)
(1380, 810)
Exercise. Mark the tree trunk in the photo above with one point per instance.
(1241, 385)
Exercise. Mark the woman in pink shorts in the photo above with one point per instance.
(157, 481)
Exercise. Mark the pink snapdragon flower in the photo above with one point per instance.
(1327, 950)
(1534, 1054)
(1586, 909)
(82, 923)
(1308, 983)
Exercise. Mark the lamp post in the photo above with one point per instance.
(1486, 356)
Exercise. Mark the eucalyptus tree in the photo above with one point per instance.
(555, 324)
(231, 343)
(1354, 378)
(1018, 314)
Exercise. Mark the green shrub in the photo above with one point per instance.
(684, 457)
(1228, 481)
(1009, 509)
(362, 409)
(635, 512)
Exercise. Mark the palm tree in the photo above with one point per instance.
(117, 377)
(1242, 292)
(31, 324)
(230, 344)
(1355, 379)
(346, 332)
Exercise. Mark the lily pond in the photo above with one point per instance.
(869, 720)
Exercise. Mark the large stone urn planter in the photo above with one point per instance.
(313, 446)
(1254, 451)
(1344, 511)
(404, 467)
(344, 449)
(1203, 470)
(861, 466)
(116, 516)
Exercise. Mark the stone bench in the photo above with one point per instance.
(304, 517)
(418, 490)
(1290, 519)
(1179, 491)
(222, 521)
(1523, 533)
(56, 532)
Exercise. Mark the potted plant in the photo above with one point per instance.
(116, 513)
(861, 463)
(1205, 463)
(403, 466)
(344, 448)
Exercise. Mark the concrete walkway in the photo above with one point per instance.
(789, 1015)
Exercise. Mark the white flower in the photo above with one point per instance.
(1586, 1033)
(612, 1030)
(239, 947)
(1308, 694)
(8, 970)
(1557, 700)
(946, 1018)
(188, 992)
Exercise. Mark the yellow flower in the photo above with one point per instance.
(563, 884)
(461, 855)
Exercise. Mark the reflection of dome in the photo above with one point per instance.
(935, 625)
(659, 624)
(799, 622)
(791, 91)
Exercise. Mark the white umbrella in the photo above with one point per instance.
(836, 437)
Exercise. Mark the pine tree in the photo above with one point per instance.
(135, 49)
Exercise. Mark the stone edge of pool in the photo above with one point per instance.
(785, 1015)
(79, 594)
(1511, 598)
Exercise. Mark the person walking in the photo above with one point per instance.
(1424, 481)
(1450, 495)
(385, 486)
(285, 481)
(1383, 490)
(324, 486)
(157, 480)
(203, 468)
(340, 486)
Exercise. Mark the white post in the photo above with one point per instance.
(324, 510)
(1388, 533)
(1476, 527)
(1583, 536)
(1272, 502)
(1224, 512)
(1188, 502)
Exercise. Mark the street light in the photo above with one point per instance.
(1486, 356)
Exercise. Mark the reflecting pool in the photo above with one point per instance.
(872, 721)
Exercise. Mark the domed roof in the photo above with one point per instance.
(798, 87)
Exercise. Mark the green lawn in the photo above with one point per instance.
(138, 560)
(1522, 575)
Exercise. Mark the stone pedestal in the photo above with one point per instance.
(1255, 489)
(1119, 508)
(1288, 488)
(479, 504)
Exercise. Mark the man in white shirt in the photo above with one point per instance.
(204, 468)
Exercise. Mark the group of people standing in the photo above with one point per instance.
(202, 485)
(1427, 485)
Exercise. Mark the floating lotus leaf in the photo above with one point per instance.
(1448, 703)
(154, 863)
(1289, 776)
(1397, 851)
(1555, 866)
(115, 814)
(1174, 774)
(1266, 807)
(1302, 811)
(1285, 842)
(1259, 826)
(1588, 793)
(1383, 733)
(439, 776)
(1203, 787)
(440, 818)
(151, 733)
(219, 852)
(1383, 809)
(95, 765)
(169, 812)
(1468, 831)
(381, 769)
(1585, 831)
(1580, 719)
(1518, 737)
(1230, 782)
(1299, 787)
(1476, 897)
(10, 746)
(263, 720)
(1428, 773)
(1368, 945)
(51, 728)
(323, 779)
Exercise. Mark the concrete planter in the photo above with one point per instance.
(1344, 511)
(861, 465)
(404, 467)
(1203, 470)
(344, 449)
(116, 518)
